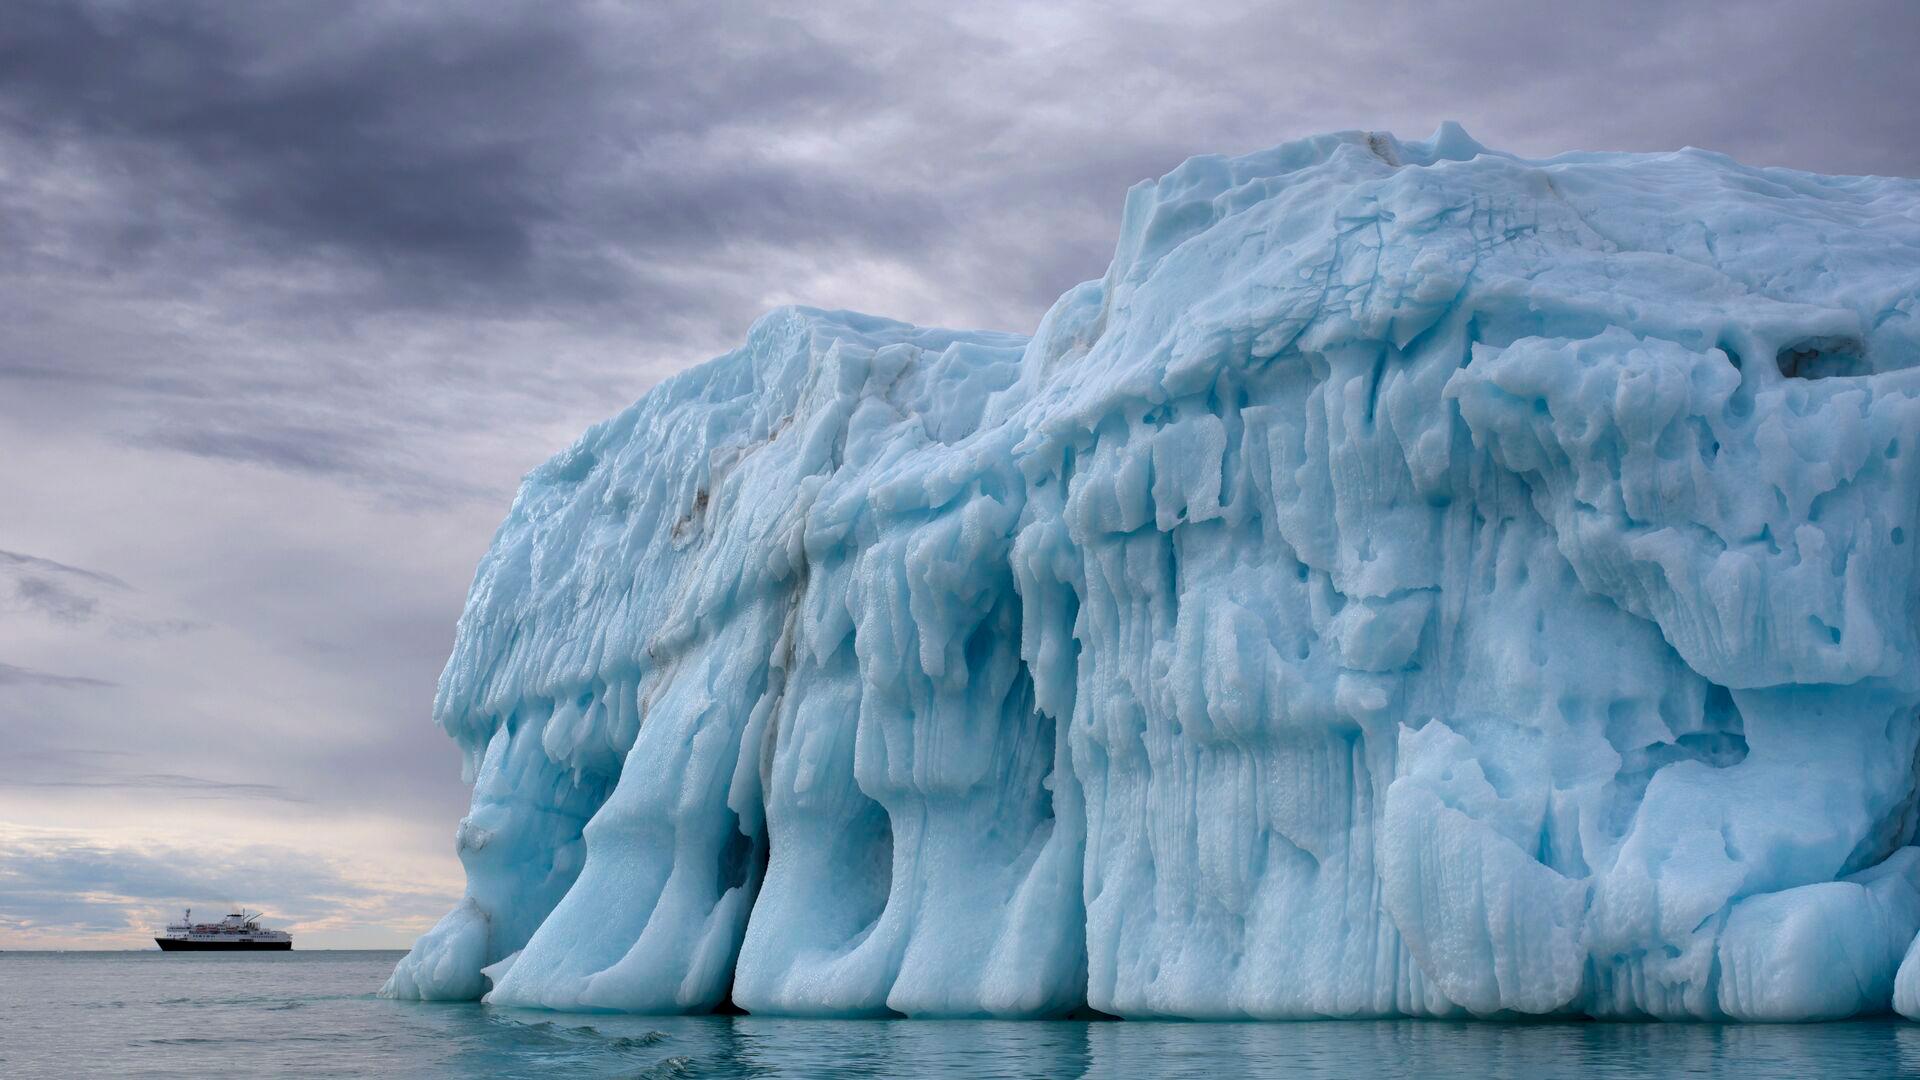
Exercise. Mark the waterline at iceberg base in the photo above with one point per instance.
(1415, 581)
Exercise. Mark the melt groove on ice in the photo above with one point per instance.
(1414, 581)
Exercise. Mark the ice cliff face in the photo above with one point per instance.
(1414, 581)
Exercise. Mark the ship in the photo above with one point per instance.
(235, 933)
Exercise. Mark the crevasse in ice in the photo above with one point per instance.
(1415, 580)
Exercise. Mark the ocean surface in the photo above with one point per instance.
(314, 1014)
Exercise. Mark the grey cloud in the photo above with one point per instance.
(36, 563)
(138, 629)
(53, 599)
(306, 150)
(451, 154)
(74, 595)
(54, 589)
(191, 787)
(336, 455)
(91, 888)
(308, 450)
(14, 675)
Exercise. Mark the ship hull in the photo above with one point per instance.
(179, 945)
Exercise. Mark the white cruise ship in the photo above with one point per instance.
(238, 931)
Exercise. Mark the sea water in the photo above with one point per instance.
(314, 1014)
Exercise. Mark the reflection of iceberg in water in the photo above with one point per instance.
(507, 1042)
(1414, 581)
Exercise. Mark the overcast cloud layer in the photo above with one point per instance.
(292, 293)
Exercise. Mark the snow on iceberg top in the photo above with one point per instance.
(1360, 237)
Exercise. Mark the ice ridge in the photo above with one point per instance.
(1414, 581)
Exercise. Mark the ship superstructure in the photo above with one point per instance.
(238, 931)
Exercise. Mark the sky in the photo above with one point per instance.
(291, 295)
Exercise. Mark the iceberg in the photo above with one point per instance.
(1416, 580)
